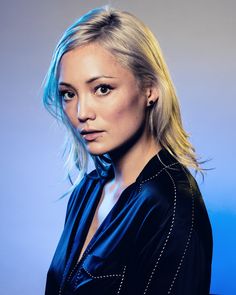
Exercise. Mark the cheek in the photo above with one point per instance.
(127, 115)
(71, 112)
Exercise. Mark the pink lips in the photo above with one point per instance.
(90, 135)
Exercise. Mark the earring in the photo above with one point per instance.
(151, 102)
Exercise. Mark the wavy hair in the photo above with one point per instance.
(135, 47)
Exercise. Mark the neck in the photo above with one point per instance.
(128, 165)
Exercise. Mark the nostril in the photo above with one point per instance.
(84, 116)
(82, 120)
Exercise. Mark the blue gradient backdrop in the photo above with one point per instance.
(198, 40)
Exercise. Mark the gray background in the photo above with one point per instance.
(198, 40)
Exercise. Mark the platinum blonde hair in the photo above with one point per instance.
(135, 47)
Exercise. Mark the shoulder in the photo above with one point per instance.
(172, 199)
(172, 189)
(164, 178)
(169, 181)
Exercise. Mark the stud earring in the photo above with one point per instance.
(151, 102)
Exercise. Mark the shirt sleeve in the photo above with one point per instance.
(174, 254)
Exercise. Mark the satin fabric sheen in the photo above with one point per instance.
(157, 239)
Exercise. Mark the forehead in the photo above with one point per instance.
(91, 60)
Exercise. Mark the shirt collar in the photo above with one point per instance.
(158, 162)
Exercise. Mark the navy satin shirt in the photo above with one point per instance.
(157, 239)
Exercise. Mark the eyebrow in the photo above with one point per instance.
(88, 81)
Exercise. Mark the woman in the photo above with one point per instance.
(137, 224)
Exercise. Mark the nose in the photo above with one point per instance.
(85, 110)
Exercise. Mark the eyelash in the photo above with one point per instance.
(62, 93)
(104, 85)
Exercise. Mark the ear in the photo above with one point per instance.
(152, 95)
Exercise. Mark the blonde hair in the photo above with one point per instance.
(135, 47)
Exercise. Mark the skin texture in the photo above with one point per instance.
(117, 107)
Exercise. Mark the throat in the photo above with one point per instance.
(110, 197)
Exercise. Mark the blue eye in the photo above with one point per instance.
(66, 95)
(103, 89)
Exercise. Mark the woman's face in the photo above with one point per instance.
(101, 99)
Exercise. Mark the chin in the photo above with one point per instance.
(97, 151)
(115, 149)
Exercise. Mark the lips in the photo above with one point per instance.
(86, 131)
(90, 134)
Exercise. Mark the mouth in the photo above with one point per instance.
(91, 135)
